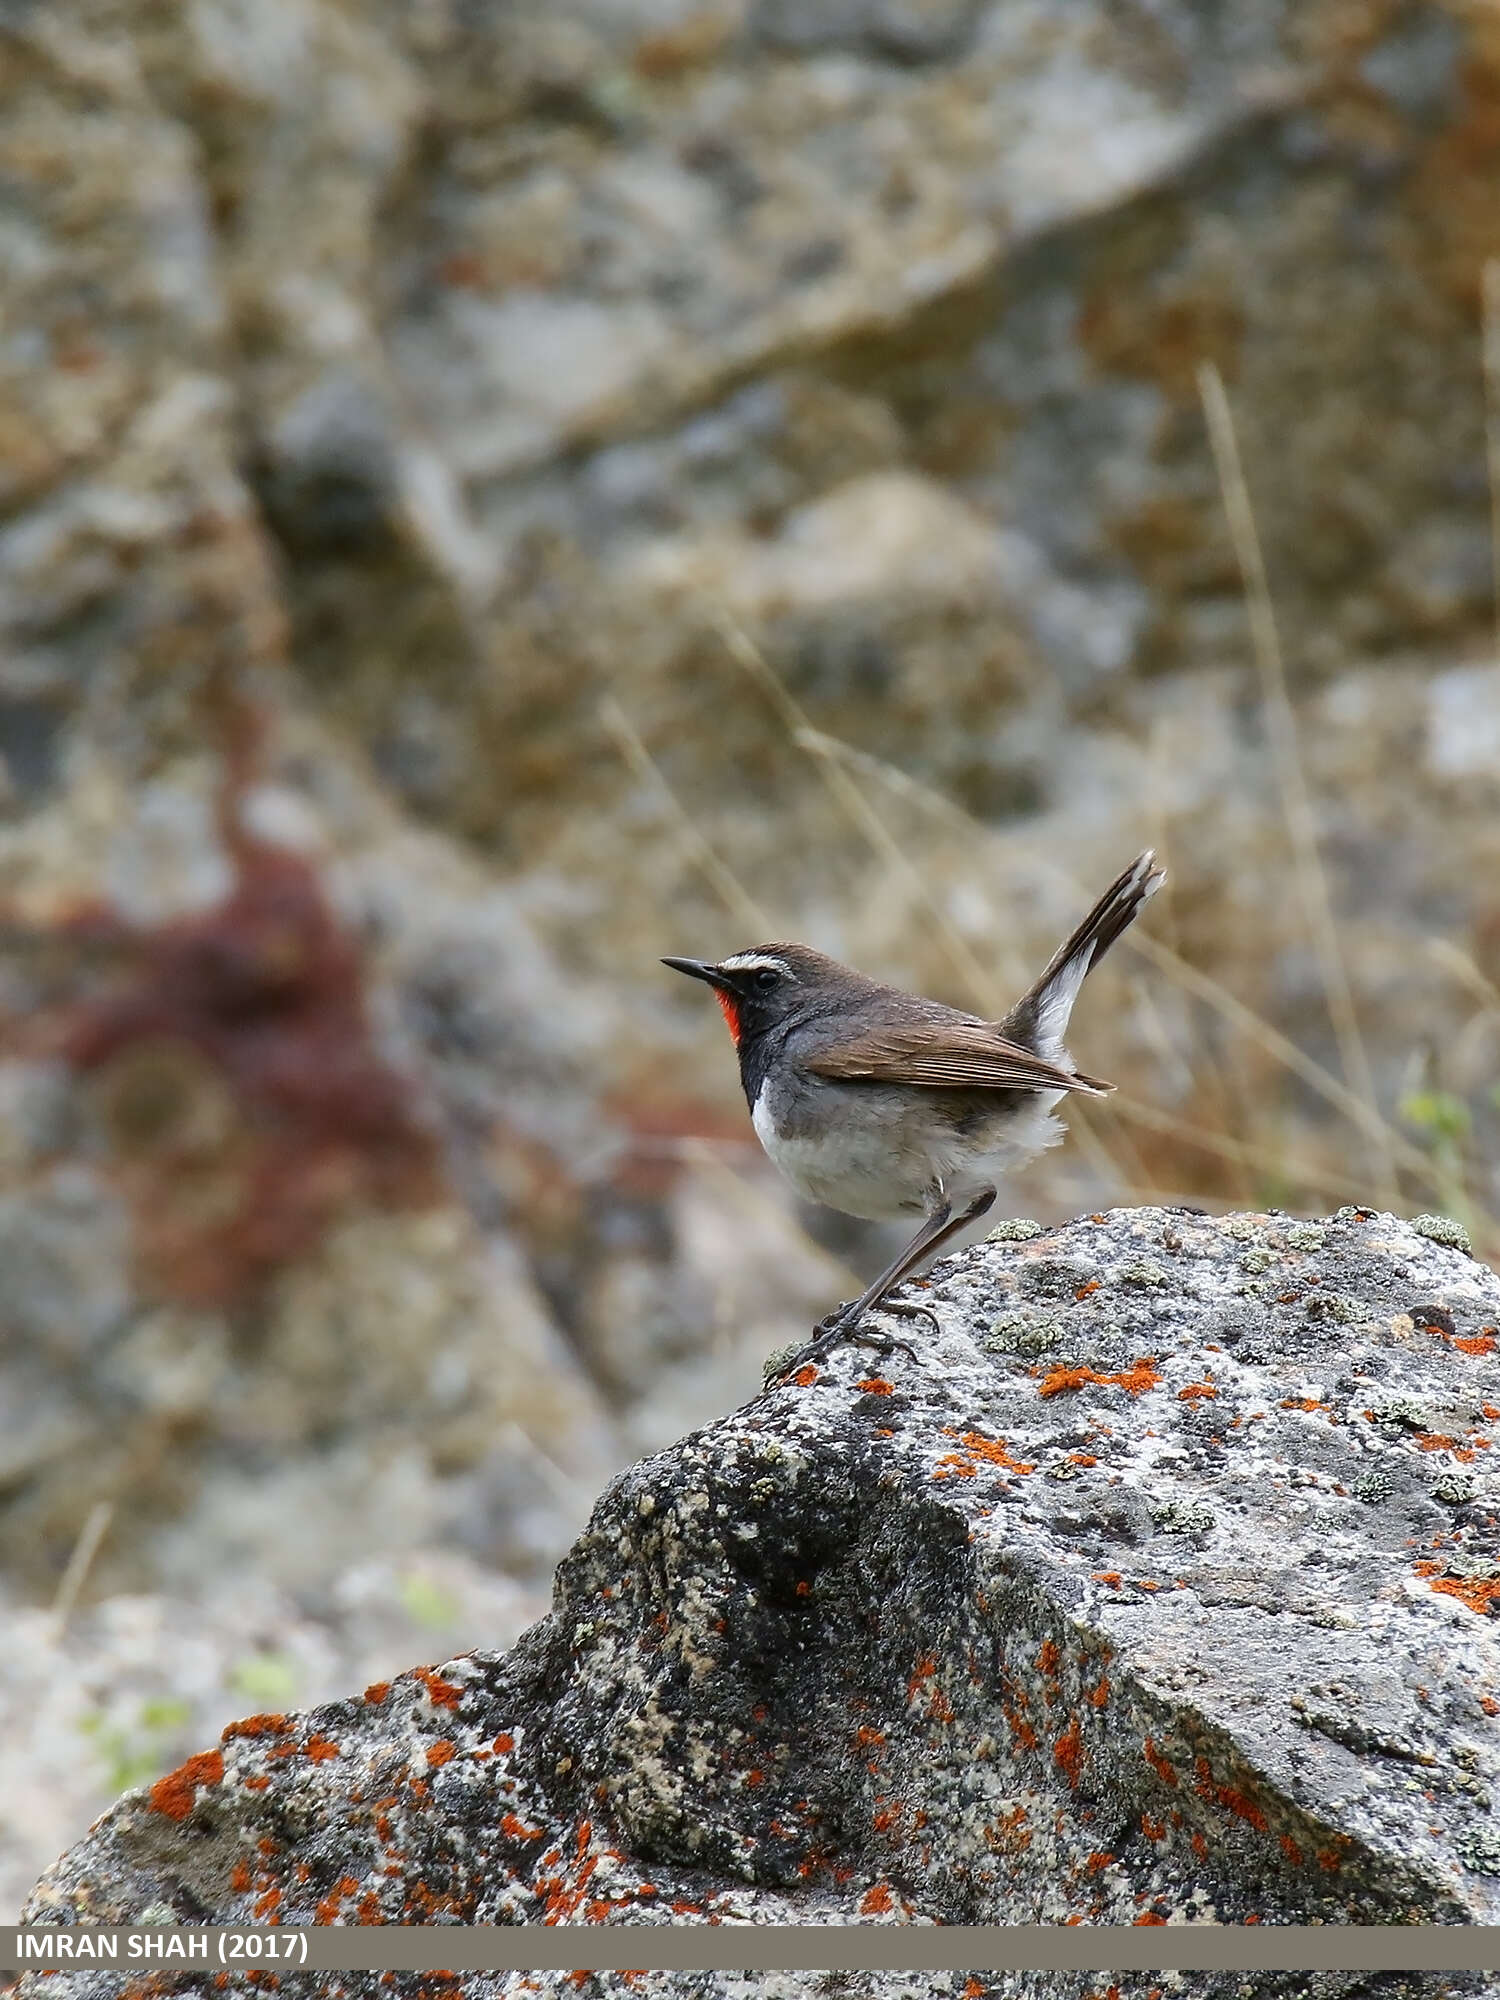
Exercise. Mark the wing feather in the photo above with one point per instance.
(962, 1055)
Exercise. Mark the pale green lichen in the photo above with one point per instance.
(1306, 1236)
(1022, 1333)
(778, 1361)
(1455, 1488)
(1338, 1307)
(1015, 1229)
(1479, 1850)
(1443, 1229)
(1485, 1568)
(1397, 1412)
(1141, 1271)
(1372, 1487)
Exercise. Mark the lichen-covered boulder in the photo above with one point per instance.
(1160, 1587)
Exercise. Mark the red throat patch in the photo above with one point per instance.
(731, 1011)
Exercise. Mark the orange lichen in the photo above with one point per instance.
(1148, 1917)
(1154, 1829)
(1477, 1343)
(174, 1794)
(874, 1385)
(876, 1900)
(376, 1692)
(1438, 1441)
(1197, 1392)
(1159, 1762)
(441, 1693)
(255, 1725)
(1110, 1576)
(441, 1753)
(1020, 1729)
(1290, 1849)
(1098, 1696)
(518, 1830)
(327, 1911)
(805, 1376)
(1067, 1754)
(1048, 1657)
(1135, 1380)
(864, 1735)
(318, 1749)
(1480, 1593)
(994, 1450)
(1241, 1804)
(1009, 1834)
(924, 1670)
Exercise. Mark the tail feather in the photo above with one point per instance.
(1040, 1019)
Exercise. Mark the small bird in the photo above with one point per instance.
(883, 1104)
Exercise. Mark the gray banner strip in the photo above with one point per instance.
(769, 1948)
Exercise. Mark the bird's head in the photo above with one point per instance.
(761, 988)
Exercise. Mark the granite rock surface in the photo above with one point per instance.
(1162, 1586)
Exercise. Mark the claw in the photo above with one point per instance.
(833, 1329)
(909, 1309)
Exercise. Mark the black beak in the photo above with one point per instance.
(696, 969)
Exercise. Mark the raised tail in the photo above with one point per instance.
(1040, 1019)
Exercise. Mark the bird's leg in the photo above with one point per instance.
(843, 1324)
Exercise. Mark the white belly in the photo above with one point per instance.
(883, 1162)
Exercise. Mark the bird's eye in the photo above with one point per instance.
(766, 978)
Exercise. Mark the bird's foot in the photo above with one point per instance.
(838, 1327)
(909, 1309)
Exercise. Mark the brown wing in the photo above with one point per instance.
(961, 1055)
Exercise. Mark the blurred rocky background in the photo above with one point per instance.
(490, 494)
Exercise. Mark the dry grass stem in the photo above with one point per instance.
(1458, 964)
(855, 805)
(80, 1562)
(1281, 727)
(722, 879)
(1261, 1159)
